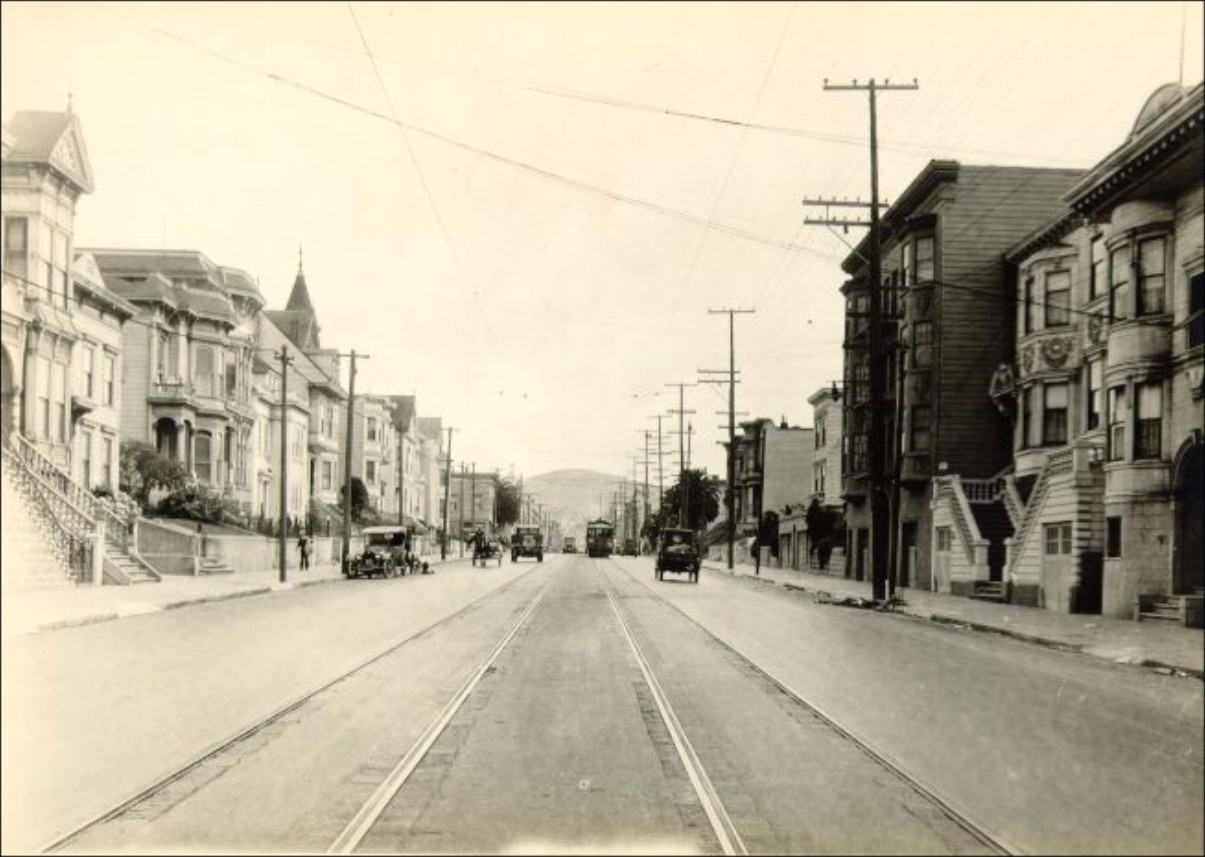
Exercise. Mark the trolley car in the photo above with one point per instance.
(600, 538)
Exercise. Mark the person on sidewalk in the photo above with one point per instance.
(756, 548)
(303, 549)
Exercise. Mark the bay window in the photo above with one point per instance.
(1094, 377)
(1054, 414)
(1058, 299)
(1119, 283)
(1148, 432)
(1152, 279)
(1117, 423)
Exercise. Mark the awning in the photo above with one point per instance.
(415, 525)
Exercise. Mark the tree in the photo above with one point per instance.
(359, 497)
(507, 503)
(767, 532)
(703, 495)
(826, 530)
(142, 470)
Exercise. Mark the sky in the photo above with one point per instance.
(526, 214)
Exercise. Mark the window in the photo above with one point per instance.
(106, 463)
(203, 377)
(1152, 280)
(1058, 298)
(85, 449)
(1054, 414)
(1113, 538)
(1117, 423)
(60, 283)
(945, 539)
(231, 380)
(16, 246)
(924, 259)
(1094, 378)
(1029, 417)
(1028, 325)
(58, 395)
(88, 371)
(108, 370)
(203, 458)
(43, 396)
(372, 429)
(858, 456)
(1119, 283)
(907, 266)
(161, 357)
(328, 476)
(919, 439)
(1149, 428)
(922, 343)
(370, 472)
(1100, 266)
(1057, 539)
(820, 421)
(1196, 309)
(818, 478)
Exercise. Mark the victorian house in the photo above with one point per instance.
(189, 359)
(947, 325)
(298, 321)
(1107, 393)
(376, 445)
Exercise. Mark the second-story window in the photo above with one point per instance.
(16, 246)
(1196, 310)
(58, 393)
(1054, 414)
(371, 430)
(108, 371)
(203, 377)
(88, 371)
(925, 270)
(1094, 378)
(1152, 282)
(1117, 423)
(1058, 298)
(1027, 309)
(922, 343)
(1119, 283)
(1097, 282)
(370, 472)
(1148, 430)
(919, 436)
(202, 460)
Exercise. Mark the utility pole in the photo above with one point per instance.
(460, 526)
(882, 509)
(351, 404)
(443, 548)
(683, 488)
(285, 360)
(731, 495)
(473, 493)
(660, 465)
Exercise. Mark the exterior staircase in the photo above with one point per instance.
(995, 525)
(988, 590)
(1183, 610)
(72, 523)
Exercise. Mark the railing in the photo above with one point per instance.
(1056, 463)
(982, 490)
(66, 521)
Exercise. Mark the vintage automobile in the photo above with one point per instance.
(570, 545)
(527, 541)
(485, 548)
(630, 548)
(384, 553)
(678, 553)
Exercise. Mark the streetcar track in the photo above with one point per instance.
(929, 793)
(148, 794)
(727, 834)
(359, 826)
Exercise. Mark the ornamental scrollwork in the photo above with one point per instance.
(1056, 350)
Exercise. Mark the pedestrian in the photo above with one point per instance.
(303, 549)
(756, 557)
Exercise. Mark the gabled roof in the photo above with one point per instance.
(300, 327)
(53, 139)
(272, 339)
(86, 275)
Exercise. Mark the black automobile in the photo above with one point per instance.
(678, 552)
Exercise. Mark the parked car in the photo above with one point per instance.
(630, 548)
(385, 553)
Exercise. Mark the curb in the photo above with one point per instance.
(226, 596)
(992, 629)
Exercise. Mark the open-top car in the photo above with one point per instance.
(384, 553)
(678, 552)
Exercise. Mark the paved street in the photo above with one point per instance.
(569, 739)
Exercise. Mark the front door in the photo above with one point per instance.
(1056, 567)
(1190, 514)
(907, 554)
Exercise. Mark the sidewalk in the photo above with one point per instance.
(30, 612)
(1166, 647)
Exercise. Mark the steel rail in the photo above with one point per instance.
(995, 841)
(224, 744)
(725, 831)
(370, 811)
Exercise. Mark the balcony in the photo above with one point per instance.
(916, 467)
(170, 391)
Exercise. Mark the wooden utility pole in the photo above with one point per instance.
(460, 526)
(351, 404)
(881, 507)
(285, 360)
(731, 494)
(443, 548)
(683, 488)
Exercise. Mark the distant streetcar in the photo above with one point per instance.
(600, 538)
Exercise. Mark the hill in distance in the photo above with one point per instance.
(574, 496)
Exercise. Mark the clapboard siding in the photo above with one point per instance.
(136, 377)
(990, 209)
